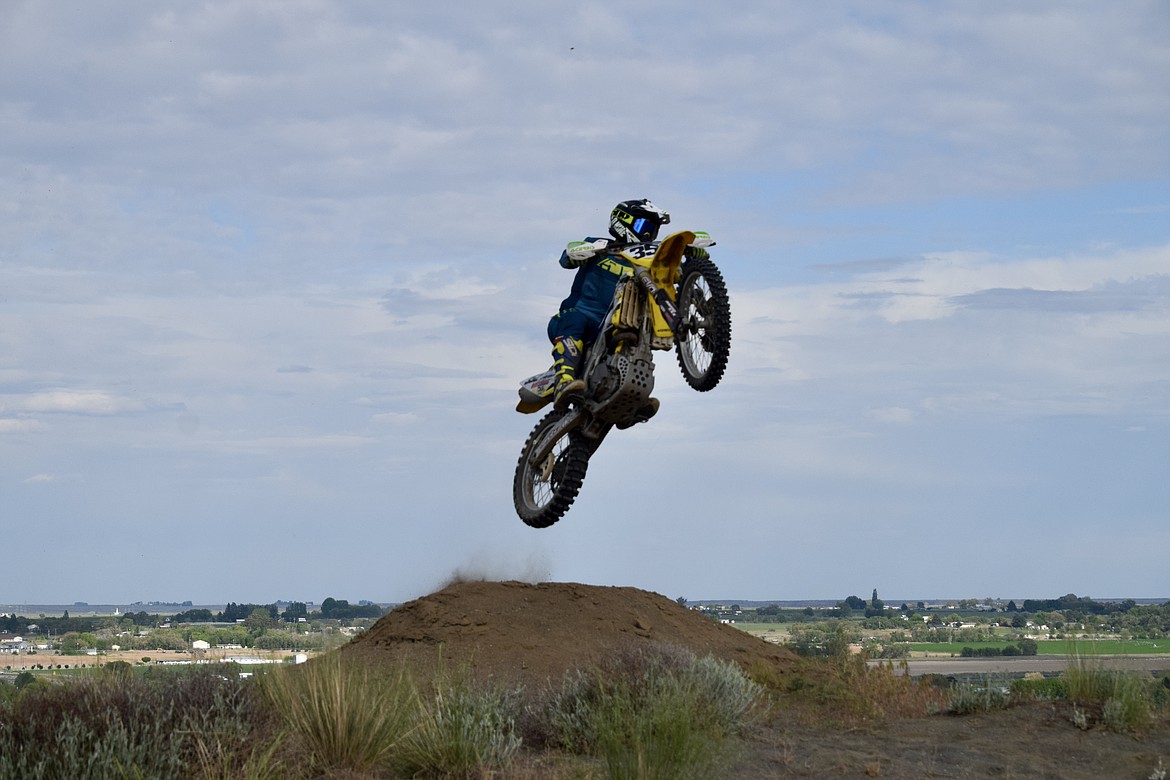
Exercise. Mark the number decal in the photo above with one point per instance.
(639, 251)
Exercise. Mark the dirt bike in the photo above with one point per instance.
(664, 303)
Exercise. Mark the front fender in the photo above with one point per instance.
(545, 446)
(668, 258)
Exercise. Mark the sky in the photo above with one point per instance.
(271, 272)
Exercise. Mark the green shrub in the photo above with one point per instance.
(1122, 700)
(108, 726)
(1128, 706)
(655, 738)
(654, 713)
(347, 716)
(988, 695)
(1047, 689)
(463, 731)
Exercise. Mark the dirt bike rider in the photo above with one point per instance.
(579, 319)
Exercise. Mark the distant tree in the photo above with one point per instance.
(231, 613)
(294, 610)
(1011, 607)
(234, 612)
(194, 616)
(682, 602)
(340, 609)
(71, 644)
(854, 602)
(259, 621)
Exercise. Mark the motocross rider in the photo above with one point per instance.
(580, 315)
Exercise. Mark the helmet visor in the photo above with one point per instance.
(646, 229)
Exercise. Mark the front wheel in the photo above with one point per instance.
(702, 337)
(544, 491)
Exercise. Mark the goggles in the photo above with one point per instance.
(645, 228)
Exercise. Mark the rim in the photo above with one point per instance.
(695, 354)
(541, 483)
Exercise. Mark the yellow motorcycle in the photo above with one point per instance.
(666, 302)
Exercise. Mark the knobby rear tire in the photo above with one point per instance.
(542, 493)
(703, 337)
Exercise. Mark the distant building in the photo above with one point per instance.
(11, 644)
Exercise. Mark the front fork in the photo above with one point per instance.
(661, 298)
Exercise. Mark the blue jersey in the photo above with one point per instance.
(594, 283)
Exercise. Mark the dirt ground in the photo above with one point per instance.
(530, 634)
(533, 634)
(1031, 741)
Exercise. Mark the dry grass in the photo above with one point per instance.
(842, 689)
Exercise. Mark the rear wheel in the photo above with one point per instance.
(703, 334)
(544, 491)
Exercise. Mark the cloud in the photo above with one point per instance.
(893, 414)
(88, 402)
(18, 425)
(281, 444)
(1049, 300)
(941, 335)
(394, 418)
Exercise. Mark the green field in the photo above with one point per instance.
(759, 628)
(1060, 647)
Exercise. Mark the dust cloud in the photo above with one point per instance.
(494, 566)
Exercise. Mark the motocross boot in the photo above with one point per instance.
(648, 410)
(566, 360)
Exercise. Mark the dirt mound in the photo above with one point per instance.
(524, 633)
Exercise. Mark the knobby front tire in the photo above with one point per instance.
(543, 492)
(703, 336)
